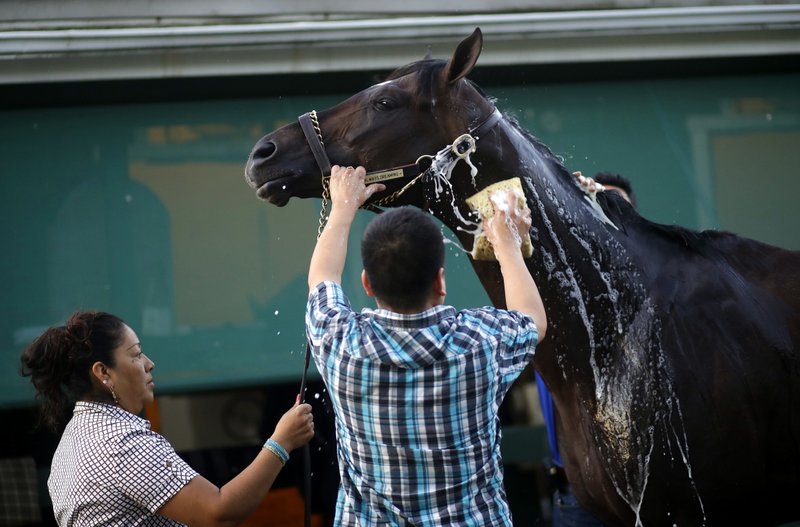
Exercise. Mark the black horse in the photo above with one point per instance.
(672, 355)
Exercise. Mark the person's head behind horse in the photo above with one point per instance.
(402, 251)
(619, 183)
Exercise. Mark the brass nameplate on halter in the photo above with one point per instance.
(377, 177)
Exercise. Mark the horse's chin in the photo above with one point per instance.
(275, 192)
(280, 190)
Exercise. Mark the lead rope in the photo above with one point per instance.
(310, 126)
(306, 447)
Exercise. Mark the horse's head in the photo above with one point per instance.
(418, 110)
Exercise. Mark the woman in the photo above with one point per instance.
(109, 467)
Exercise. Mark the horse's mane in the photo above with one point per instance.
(693, 239)
(538, 144)
(750, 258)
(719, 243)
(709, 243)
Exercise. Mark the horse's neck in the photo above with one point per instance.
(588, 280)
(573, 238)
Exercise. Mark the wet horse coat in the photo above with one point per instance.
(672, 355)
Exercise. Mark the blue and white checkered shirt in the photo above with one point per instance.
(416, 400)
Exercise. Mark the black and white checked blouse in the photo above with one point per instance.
(111, 469)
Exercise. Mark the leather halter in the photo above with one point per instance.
(310, 126)
(313, 134)
(461, 147)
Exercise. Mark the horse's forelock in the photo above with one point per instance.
(426, 73)
(418, 66)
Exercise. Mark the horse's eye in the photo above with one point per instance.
(384, 103)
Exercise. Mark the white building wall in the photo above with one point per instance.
(47, 41)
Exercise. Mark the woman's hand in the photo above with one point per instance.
(295, 428)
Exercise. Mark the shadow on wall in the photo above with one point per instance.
(112, 248)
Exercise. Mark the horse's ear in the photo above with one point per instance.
(464, 57)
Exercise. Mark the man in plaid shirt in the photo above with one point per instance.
(416, 385)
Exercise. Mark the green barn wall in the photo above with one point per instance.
(143, 210)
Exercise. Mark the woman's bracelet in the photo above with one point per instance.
(278, 450)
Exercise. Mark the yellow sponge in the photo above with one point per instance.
(481, 203)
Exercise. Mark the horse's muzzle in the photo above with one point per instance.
(255, 170)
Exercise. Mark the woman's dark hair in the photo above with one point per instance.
(402, 251)
(59, 362)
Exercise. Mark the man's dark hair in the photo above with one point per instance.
(402, 251)
(611, 178)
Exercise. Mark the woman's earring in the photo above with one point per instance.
(113, 394)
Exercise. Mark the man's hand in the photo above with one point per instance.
(347, 188)
(509, 224)
(505, 231)
(348, 193)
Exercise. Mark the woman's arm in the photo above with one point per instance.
(201, 503)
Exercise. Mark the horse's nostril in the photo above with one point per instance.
(265, 151)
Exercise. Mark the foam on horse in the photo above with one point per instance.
(672, 355)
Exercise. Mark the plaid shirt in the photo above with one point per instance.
(111, 469)
(416, 400)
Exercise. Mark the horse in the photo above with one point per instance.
(671, 354)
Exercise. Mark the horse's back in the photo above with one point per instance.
(775, 269)
(731, 327)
